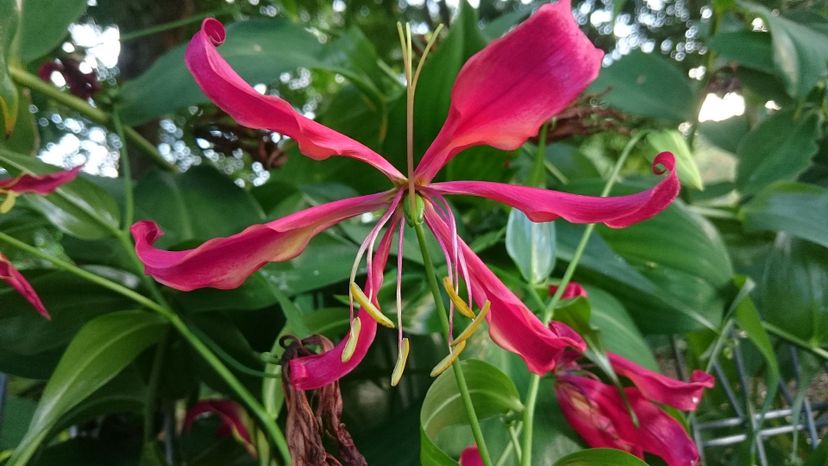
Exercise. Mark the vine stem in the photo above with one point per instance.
(456, 369)
(28, 80)
(269, 425)
(548, 311)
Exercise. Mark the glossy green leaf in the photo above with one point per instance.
(792, 293)
(600, 457)
(647, 84)
(531, 245)
(800, 50)
(9, 23)
(619, 334)
(671, 140)
(80, 208)
(25, 137)
(684, 259)
(197, 205)
(492, 393)
(747, 48)
(71, 302)
(750, 322)
(795, 208)
(98, 353)
(45, 23)
(778, 148)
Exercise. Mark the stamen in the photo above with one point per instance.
(461, 305)
(8, 202)
(448, 360)
(368, 306)
(402, 357)
(469, 331)
(369, 241)
(353, 338)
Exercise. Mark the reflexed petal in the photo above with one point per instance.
(471, 457)
(511, 324)
(233, 419)
(506, 91)
(656, 387)
(597, 412)
(236, 97)
(39, 184)
(544, 205)
(225, 263)
(311, 372)
(10, 275)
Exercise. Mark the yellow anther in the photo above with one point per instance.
(362, 299)
(399, 367)
(461, 305)
(8, 202)
(448, 360)
(353, 338)
(474, 325)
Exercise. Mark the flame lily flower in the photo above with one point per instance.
(234, 420)
(11, 188)
(600, 415)
(501, 97)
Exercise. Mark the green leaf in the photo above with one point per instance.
(492, 393)
(600, 457)
(25, 137)
(818, 457)
(71, 302)
(9, 19)
(750, 321)
(671, 140)
(800, 50)
(80, 208)
(197, 205)
(619, 334)
(98, 353)
(778, 148)
(45, 23)
(792, 290)
(795, 208)
(648, 85)
(747, 48)
(531, 245)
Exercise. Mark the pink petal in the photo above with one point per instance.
(471, 457)
(233, 95)
(597, 412)
(312, 372)
(507, 90)
(543, 205)
(511, 324)
(232, 418)
(656, 387)
(10, 275)
(39, 184)
(225, 263)
(573, 290)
